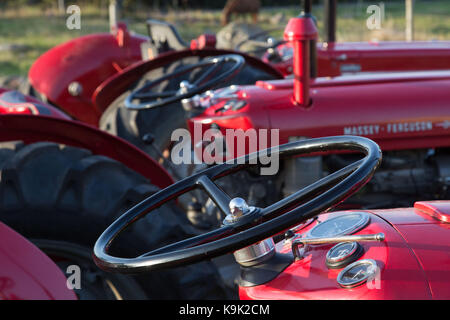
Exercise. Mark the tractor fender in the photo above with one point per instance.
(84, 62)
(27, 273)
(117, 84)
(34, 128)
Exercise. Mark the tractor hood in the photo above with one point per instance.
(397, 110)
(413, 260)
(426, 229)
(336, 58)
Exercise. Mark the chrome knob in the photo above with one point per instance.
(238, 207)
(75, 89)
(185, 86)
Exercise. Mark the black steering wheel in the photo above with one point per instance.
(213, 75)
(251, 228)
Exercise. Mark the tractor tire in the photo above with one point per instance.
(133, 125)
(62, 198)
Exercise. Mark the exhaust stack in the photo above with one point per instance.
(302, 31)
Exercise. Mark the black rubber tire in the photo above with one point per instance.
(67, 194)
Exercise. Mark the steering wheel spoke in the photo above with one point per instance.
(154, 95)
(217, 195)
(212, 70)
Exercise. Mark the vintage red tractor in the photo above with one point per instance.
(338, 58)
(292, 249)
(406, 113)
(73, 75)
(353, 254)
(61, 183)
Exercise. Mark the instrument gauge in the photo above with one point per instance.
(343, 254)
(340, 225)
(357, 273)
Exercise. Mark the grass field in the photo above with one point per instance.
(36, 31)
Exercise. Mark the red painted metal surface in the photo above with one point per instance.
(336, 58)
(89, 60)
(32, 128)
(204, 41)
(26, 273)
(398, 111)
(439, 210)
(27, 105)
(414, 262)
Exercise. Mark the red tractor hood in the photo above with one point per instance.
(335, 58)
(408, 110)
(414, 260)
(426, 229)
(27, 273)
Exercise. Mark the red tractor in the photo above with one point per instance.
(406, 113)
(353, 254)
(73, 76)
(291, 249)
(61, 183)
(141, 107)
(67, 190)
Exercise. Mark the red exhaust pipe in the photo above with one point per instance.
(301, 31)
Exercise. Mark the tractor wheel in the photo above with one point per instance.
(63, 197)
(133, 125)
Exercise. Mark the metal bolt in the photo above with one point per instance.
(238, 207)
(185, 86)
(75, 89)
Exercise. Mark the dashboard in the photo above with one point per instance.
(345, 270)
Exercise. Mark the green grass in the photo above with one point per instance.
(40, 31)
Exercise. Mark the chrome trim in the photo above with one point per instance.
(334, 259)
(372, 271)
(238, 209)
(210, 98)
(363, 221)
(256, 253)
(360, 237)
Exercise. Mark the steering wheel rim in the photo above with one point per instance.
(186, 90)
(258, 225)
